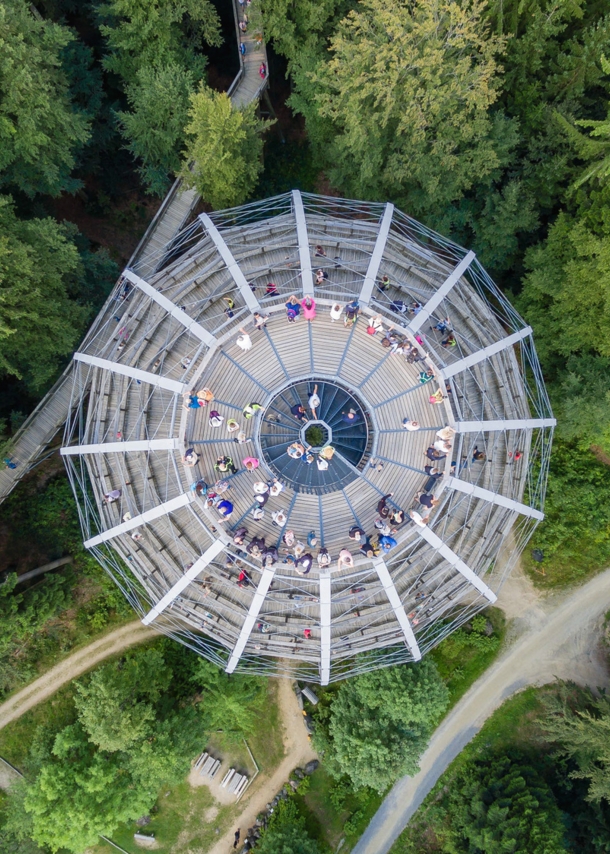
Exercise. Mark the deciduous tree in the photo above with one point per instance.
(81, 794)
(116, 705)
(407, 92)
(380, 723)
(223, 150)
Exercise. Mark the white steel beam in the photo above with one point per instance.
(456, 562)
(439, 295)
(133, 373)
(253, 612)
(121, 447)
(325, 620)
(392, 593)
(206, 558)
(303, 239)
(232, 265)
(143, 519)
(485, 353)
(520, 424)
(492, 497)
(378, 250)
(175, 311)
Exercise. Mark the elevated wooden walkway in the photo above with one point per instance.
(40, 428)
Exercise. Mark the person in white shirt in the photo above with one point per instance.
(314, 401)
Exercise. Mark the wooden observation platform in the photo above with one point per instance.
(171, 329)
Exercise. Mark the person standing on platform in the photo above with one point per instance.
(314, 402)
(309, 308)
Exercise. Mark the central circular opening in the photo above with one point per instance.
(315, 435)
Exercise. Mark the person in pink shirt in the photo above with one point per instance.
(251, 463)
(309, 307)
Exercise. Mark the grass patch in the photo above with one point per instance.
(54, 714)
(573, 565)
(467, 653)
(575, 534)
(185, 819)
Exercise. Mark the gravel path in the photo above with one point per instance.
(72, 667)
(298, 751)
(552, 637)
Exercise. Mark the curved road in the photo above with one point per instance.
(559, 638)
(72, 667)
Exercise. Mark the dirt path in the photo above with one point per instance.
(72, 667)
(298, 752)
(555, 636)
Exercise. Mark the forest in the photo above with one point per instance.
(487, 121)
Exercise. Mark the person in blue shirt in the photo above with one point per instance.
(387, 543)
(225, 508)
(293, 309)
(352, 310)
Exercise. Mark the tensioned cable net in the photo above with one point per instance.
(311, 436)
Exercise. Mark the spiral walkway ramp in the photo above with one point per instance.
(143, 454)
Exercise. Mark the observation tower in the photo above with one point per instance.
(170, 398)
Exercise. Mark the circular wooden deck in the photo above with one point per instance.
(174, 556)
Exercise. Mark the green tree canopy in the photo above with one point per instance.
(116, 705)
(503, 806)
(228, 703)
(297, 26)
(405, 99)
(566, 293)
(149, 33)
(582, 735)
(224, 147)
(380, 723)
(133, 734)
(286, 833)
(159, 100)
(81, 794)
(39, 323)
(40, 131)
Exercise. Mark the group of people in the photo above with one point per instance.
(308, 306)
(298, 451)
(389, 515)
(292, 551)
